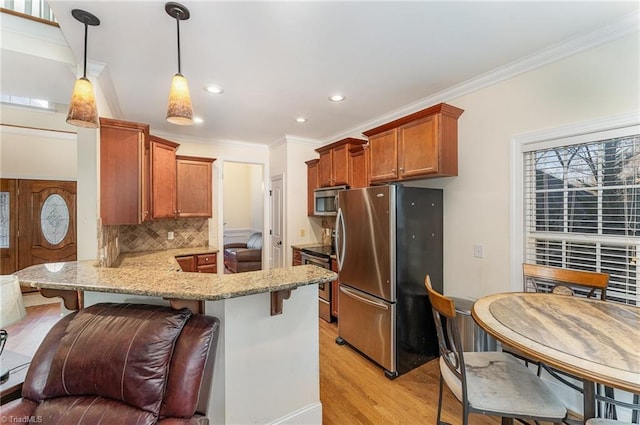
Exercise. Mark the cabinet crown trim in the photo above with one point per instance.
(441, 108)
(348, 140)
(108, 122)
(195, 158)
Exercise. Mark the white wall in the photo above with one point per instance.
(287, 157)
(237, 196)
(596, 83)
(37, 154)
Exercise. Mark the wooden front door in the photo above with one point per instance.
(46, 222)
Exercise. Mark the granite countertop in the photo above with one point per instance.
(159, 260)
(308, 245)
(155, 273)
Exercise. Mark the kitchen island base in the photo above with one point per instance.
(267, 367)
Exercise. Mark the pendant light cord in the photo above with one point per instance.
(84, 73)
(178, 32)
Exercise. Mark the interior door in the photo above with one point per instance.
(277, 222)
(46, 222)
(8, 226)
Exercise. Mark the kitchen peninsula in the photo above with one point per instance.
(267, 365)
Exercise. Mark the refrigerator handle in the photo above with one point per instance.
(362, 299)
(340, 238)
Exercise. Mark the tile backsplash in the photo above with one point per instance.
(187, 232)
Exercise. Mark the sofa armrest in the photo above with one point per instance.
(243, 255)
(17, 410)
(235, 245)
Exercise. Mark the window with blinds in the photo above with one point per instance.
(582, 210)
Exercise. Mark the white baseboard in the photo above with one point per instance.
(308, 415)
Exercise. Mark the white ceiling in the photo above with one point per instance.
(280, 60)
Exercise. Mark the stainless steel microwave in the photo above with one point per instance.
(325, 200)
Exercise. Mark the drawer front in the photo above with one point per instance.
(208, 268)
(207, 259)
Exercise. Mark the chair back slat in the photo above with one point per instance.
(444, 316)
(539, 278)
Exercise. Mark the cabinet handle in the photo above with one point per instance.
(401, 169)
(393, 170)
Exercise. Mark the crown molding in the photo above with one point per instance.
(628, 25)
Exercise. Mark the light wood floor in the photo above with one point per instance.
(352, 389)
(355, 391)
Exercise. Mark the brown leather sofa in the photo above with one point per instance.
(244, 257)
(120, 364)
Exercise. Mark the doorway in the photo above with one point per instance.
(37, 223)
(243, 201)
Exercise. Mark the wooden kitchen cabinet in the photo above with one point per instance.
(187, 263)
(207, 263)
(124, 172)
(423, 144)
(312, 184)
(194, 186)
(358, 167)
(333, 164)
(296, 257)
(163, 178)
(200, 263)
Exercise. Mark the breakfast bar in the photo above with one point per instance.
(267, 360)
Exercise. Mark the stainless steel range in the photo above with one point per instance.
(320, 255)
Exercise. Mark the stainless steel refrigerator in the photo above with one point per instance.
(388, 238)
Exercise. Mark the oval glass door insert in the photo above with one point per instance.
(54, 219)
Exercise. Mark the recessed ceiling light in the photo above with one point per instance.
(301, 119)
(213, 89)
(198, 120)
(336, 98)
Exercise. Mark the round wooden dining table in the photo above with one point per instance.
(596, 341)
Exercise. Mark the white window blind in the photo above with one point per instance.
(582, 209)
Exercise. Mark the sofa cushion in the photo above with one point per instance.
(90, 410)
(255, 241)
(104, 352)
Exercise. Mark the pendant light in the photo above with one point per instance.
(82, 107)
(180, 110)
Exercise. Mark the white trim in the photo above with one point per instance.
(628, 25)
(308, 415)
(616, 125)
(38, 132)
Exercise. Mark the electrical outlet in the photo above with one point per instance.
(302, 233)
(478, 251)
(170, 236)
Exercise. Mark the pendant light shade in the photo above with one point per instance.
(179, 110)
(82, 107)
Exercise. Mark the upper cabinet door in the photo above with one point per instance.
(194, 186)
(163, 178)
(418, 147)
(124, 172)
(340, 165)
(383, 156)
(325, 172)
(312, 184)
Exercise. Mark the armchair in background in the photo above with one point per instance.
(244, 257)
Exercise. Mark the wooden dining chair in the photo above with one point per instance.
(557, 280)
(488, 383)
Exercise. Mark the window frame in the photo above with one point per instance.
(605, 128)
